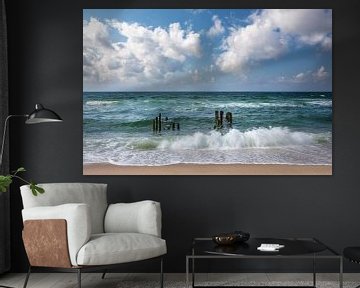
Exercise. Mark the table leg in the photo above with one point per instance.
(187, 272)
(341, 273)
(193, 267)
(314, 271)
(193, 272)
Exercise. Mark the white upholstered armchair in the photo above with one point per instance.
(72, 228)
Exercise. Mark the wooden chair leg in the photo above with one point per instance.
(27, 277)
(79, 277)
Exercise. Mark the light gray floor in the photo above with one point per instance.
(118, 280)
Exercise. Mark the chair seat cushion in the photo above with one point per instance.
(352, 253)
(114, 248)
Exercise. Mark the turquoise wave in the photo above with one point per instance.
(117, 127)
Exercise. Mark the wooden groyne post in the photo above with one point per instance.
(228, 119)
(219, 120)
(159, 124)
(156, 124)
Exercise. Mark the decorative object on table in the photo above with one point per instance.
(241, 236)
(231, 238)
(225, 239)
(265, 247)
(39, 115)
(96, 236)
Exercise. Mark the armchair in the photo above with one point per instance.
(71, 228)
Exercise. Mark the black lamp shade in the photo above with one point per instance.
(42, 115)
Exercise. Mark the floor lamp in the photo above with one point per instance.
(39, 115)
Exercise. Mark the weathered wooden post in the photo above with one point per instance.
(221, 118)
(228, 118)
(159, 122)
(216, 120)
(168, 125)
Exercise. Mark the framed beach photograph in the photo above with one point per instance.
(207, 92)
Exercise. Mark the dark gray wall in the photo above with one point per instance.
(45, 50)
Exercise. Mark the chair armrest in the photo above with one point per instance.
(138, 217)
(78, 223)
(52, 250)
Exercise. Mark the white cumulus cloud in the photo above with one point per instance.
(270, 33)
(96, 46)
(217, 27)
(144, 54)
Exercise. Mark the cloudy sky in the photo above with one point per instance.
(207, 50)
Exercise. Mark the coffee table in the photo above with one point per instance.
(294, 248)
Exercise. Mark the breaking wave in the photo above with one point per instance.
(235, 139)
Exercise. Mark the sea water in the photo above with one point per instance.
(268, 128)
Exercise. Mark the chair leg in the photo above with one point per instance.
(27, 277)
(79, 277)
(103, 275)
(161, 273)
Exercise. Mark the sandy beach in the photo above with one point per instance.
(221, 169)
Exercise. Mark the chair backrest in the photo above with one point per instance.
(62, 193)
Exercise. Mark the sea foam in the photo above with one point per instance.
(235, 139)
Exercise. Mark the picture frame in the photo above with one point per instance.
(207, 91)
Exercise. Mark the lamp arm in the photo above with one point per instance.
(4, 134)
